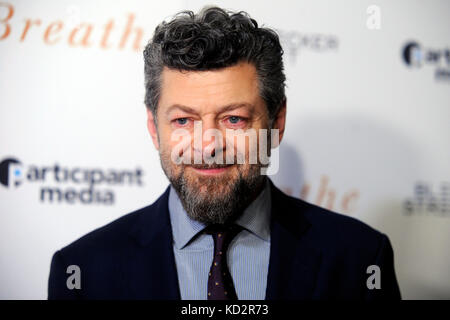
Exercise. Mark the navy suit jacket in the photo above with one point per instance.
(314, 254)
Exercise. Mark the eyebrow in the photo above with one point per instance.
(228, 107)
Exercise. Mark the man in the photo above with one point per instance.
(222, 230)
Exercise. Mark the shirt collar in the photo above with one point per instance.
(256, 218)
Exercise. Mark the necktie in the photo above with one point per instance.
(220, 283)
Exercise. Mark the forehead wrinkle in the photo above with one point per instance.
(204, 93)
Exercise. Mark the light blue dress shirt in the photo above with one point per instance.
(248, 253)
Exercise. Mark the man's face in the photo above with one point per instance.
(220, 99)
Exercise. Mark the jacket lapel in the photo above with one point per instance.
(293, 262)
(154, 275)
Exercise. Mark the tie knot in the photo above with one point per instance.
(223, 234)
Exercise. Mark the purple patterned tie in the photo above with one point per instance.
(220, 283)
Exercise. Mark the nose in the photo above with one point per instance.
(208, 140)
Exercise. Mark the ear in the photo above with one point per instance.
(151, 126)
(280, 123)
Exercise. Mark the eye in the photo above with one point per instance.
(234, 119)
(181, 121)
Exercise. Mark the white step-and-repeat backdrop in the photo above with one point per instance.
(368, 129)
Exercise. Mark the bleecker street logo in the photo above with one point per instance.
(426, 201)
(294, 42)
(71, 185)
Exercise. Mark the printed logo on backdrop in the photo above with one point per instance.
(73, 30)
(428, 202)
(294, 42)
(71, 185)
(418, 57)
(11, 172)
(326, 196)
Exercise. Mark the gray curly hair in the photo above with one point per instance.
(214, 39)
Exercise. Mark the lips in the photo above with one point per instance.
(210, 170)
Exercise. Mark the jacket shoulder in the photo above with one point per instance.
(117, 232)
(346, 247)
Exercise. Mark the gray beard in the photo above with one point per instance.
(221, 209)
